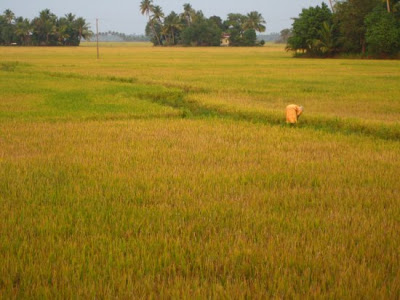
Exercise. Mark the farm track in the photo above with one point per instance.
(178, 97)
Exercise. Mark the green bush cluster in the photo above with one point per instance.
(367, 27)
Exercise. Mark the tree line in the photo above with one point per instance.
(45, 30)
(121, 37)
(366, 27)
(192, 28)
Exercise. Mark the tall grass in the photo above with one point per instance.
(117, 180)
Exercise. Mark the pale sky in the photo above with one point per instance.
(124, 16)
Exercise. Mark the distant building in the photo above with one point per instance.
(225, 39)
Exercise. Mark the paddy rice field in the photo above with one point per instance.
(165, 173)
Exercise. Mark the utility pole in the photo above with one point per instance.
(97, 37)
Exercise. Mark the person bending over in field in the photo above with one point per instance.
(293, 113)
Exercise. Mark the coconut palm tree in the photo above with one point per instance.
(172, 24)
(83, 29)
(70, 17)
(327, 43)
(9, 16)
(146, 8)
(67, 30)
(158, 14)
(165, 34)
(156, 18)
(23, 29)
(7, 27)
(49, 28)
(188, 12)
(254, 20)
(44, 26)
(62, 34)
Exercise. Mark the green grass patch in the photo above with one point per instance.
(46, 97)
(8, 66)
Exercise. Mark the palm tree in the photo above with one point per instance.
(156, 18)
(165, 33)
(327, 43)
(388, 5)
(44, 26)
(172, 24)
(68, 30)
(49, 28)
(70, 18)
(9, 16)
(254, 20)
(62, 33)
(7, 27)
(147, 7)
(46, 14)
(23, 29)
(158, 14)
(188, 13)
(83, 29)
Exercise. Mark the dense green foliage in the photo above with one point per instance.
(367, 27)
(350, 16)
(308, 27)
(383, 34)
(192, 28)
(203, 32)
(44, 30)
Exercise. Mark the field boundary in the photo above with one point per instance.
(177, 97)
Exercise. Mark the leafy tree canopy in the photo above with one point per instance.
(46, 29)
(192, 28)
(307, 28)
(383, 33)
(368, 27)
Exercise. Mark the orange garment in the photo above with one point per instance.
(293, 111)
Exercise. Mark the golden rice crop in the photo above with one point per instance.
(169, 173)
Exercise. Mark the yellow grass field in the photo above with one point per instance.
(170, 173)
